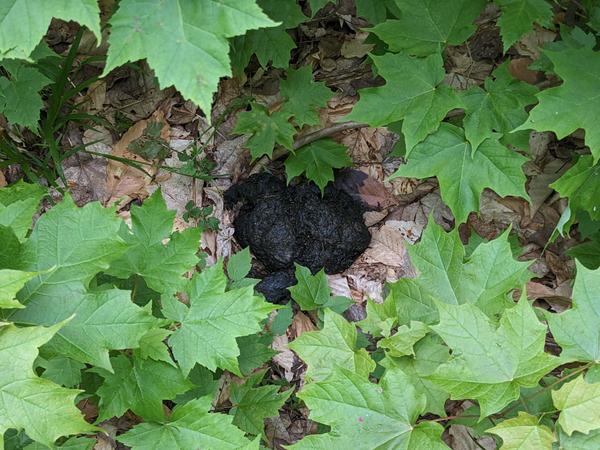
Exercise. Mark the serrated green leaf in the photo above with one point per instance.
(310, 291)
(499, 108)
(581, 185)
(162, 266)
(20, 100)
(463, 175)
(255, 350)
(184, 41)
(62, 370)
(587, 253)
(573, 104)
(413, 93)
(11, 256)
(446, 276)
(518, 17)
(381, 317)
(579, 441)
(190, 426)
(577, 330)
(42, 408)
(103, 321)
(374, 12)
(402, 341)
(239, 264)
(430, 353)
(317, 161)
(68, 247)
(11, 282)
(213, 321)
(376, 416)
(267, 130)
(140, 386)
(18, 204)
(252, 405)
(523, 432)
(304, 97)
(152, 345)
(74, 443)
(579, 405)
(491, 364)
(333, 346)
(23, 23)
(427, 26)
(271, 45)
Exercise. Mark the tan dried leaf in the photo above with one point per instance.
(126, 182)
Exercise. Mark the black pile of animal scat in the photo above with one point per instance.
(284, 225)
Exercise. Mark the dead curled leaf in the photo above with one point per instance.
(387, 247)
(122, 180)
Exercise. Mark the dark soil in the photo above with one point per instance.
(284, 225)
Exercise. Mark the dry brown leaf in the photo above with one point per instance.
(339, 285)
(2, 180)
(387, 247)
(375, 194)
(285, 358)
(124, 181)
(519, 68)
(301, 323)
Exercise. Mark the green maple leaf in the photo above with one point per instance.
(62, 370)
(139, 385)
(255, 350)
(271, 45)
(413, 93)
(190, 426)
(518, 17)
(579, 441)
(402, 341)
(491, 364)
(252, 405)
(161, 266)
(499, 108)
(18, 204)
(577, 330)
(375, 416)
(317, 161)
(572, 105)
(374, 12)
(582, 186)
(579, 405)
(463, 175)
(152, 345)
(304, 97)
(239, 265)
(333, 346)
(23, 23)
(523, 431)
(11, 282)
(429, 353)
(213, 321)
(68, 247)
(427, 26)
(42, 408)
(381, 317)
(446, 275)
(20, 100)
(267, 130)
(310, 291)
(190, 36)
(103, 321)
